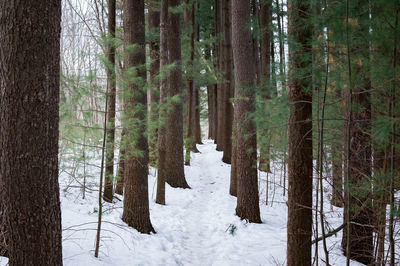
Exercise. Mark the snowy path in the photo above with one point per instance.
(192, 229)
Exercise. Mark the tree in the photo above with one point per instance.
(111, 83)
(300, 163)
(136, 200)
(162, 134)
(265, 20)
(246, 149)
(189, 19)
(153, 24)
(357, 241)
(227, 86)
(30, 82)
(174, 171)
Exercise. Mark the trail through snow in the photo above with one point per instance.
(198, 226)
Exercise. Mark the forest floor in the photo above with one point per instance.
(198, 226)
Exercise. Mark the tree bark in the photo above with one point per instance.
(246, 149)
(361, 246)
(227, 86)
(29, 114)
(300, 162)
(162, 135)
(119, 188)
(136, 200)
(153, 24)
(220, 89)
(265, 18)
(174, 172)
(190, 85)
(112, 89)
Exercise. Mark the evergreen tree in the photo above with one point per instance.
(29, 113)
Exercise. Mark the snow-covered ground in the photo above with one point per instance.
(198, 226)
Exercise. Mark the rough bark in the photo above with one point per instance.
(265, 20)
(300, 161)
(112, 89)
(119, 187)
(29, 114)
(246, 149)
(160, 196)
(174, 172)
(190, 85)
(136, 200)
(361, 246)
(153, 24)
(220, 88)
(227, 86)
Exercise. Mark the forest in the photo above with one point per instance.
(199, 132)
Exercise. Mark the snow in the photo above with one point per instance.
(198, 226)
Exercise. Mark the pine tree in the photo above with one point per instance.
(300, 162)
(153, 26)
(30, 82)
(111, 83)
(246, 149)
(162, 135)
(136, 200)
(174, 171)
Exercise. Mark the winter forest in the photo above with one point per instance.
(199, 132)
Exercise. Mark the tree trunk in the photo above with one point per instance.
(174, 172)
(153, 24)
(246, 149)
(361, 246)
(29, 114)
(162, 135)
(227, 86)
(190, 85)
(136, 200)
(220, 89)
(300, 162)
(119, 188)
(112, 89)
(266, 79)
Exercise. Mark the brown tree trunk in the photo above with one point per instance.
(190, 85)
(266, 78)
(136, 200)
(227, 86)
(112, 89)
(153, 24)
(29, 114)
(246, 146)
(300, 162)
(174, 172)
(361, 246)
(162, 135)
(220, 89)
(233, 179)
(119, 188)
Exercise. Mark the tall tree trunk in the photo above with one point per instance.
(281, 45)
(220, 88)
(265, 20)
(162, 134)
(300, 162)
(227, 86)
(174, 172)
(153, 24)
(361, 246)
(29, 114)
(246, 149)
(190, 85)
(112, 89)
(210, 102)
(136, 200)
